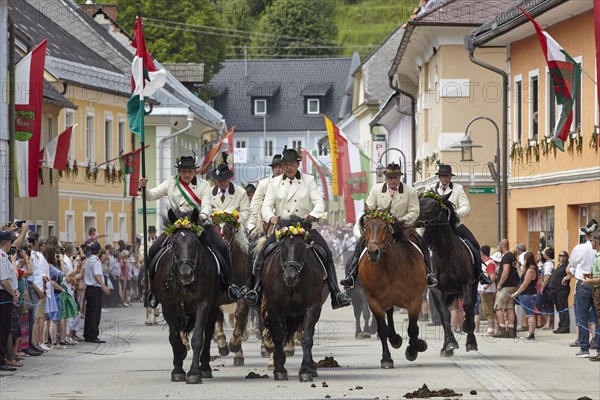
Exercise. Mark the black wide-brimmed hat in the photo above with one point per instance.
(289, 155)
(186, 162)
(590, 228)
(151, 229)
(445, 170)
(222, 172)
(392, 170)
(276, 160)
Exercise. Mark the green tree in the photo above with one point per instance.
(190, 41)
(297, 28)
(237, 16)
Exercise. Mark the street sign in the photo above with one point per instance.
(482, 190)
(378, 137)
(148, 210)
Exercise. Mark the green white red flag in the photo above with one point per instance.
(146, 79)
(566, 78)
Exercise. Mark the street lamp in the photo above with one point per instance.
(466, 146)
(381, 167)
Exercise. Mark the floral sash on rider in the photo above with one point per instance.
(188, 194)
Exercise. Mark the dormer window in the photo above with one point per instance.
(313, 106)
(260, 107)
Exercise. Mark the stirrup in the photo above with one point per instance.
(251, 297)
(152, 300)
(340, 300)
(348, 282)
(234, 292)
(431, 280)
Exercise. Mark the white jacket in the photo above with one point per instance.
(457, 197)
(257, 203)
(301, 198)
(177, 202)
(404, 203)
(235, 199)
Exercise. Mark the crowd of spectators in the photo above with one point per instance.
(42, 289)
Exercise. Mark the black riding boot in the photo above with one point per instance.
(431, 278)
(249, 267)
(254, 295)
(218, 244)
(338, 299)
(352, 267)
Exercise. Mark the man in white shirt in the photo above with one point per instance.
(94, 281)
(580, 266)
(41, 275)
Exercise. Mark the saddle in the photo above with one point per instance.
(166, 244)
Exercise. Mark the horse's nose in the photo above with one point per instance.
(290, 278)
(374, 255)
(186, 272)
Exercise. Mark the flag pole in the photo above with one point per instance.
(143, 145)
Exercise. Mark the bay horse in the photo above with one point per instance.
(187, 284)
(392, 274)
(294, 291)
(453, 264)
(238, 248)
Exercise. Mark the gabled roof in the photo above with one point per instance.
(61, 44)
(99, 45)
(452, 13)
(53, 96)
(283, 83)
(512, 24)
(374, 68)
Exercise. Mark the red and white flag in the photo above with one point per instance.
(56, 153)
(306, 168)
(29, 90)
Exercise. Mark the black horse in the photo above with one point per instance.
(294, 291)
(186, 283)
(453, 263)
(361, 307)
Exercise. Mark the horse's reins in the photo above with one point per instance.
(435, 221)
(188, 261)
(295, 264)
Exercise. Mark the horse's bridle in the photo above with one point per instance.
(439, 220)
(295, 264)
(191, 262)
(387, 244)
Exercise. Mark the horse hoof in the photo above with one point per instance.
(280, 376)
(358, 335)
(472, 347)
(305, 376)
(314, 373)
(447, 353)
(422, 345)
(366, 335)
(234, 348)
(206, 373)
(396, 341)
(238, 362)
(224, 351)
(387, 364)
(411, 353)
(452, 346)
(193, 379)
(289, 353)
(178, 376)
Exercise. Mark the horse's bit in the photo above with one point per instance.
(188, 261)
(295, 264)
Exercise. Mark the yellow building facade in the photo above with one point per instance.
(552, 193)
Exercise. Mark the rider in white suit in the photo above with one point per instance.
(404, 206)
(295, 194)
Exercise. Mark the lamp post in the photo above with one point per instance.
(382, 167)
(466, 146)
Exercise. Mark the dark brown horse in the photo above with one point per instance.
(453, 265)
(294, 291)
(238, 245)
(187, 284)
(393, 274)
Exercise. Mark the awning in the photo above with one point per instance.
(265, 90)
(316, 89)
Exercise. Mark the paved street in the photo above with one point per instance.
(135, 363)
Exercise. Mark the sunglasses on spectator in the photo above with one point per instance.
(562, 255)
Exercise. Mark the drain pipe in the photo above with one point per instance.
(413, 123)
(161, 142)
(504, 156)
